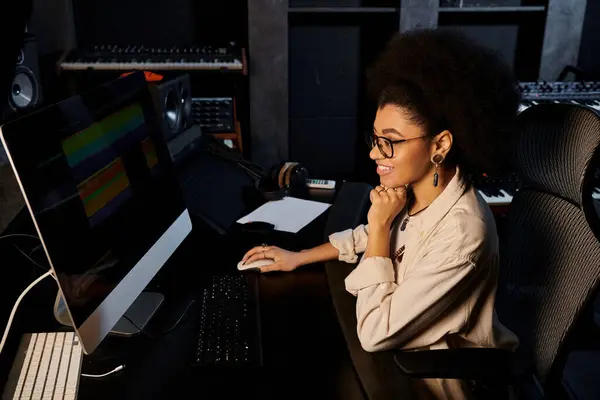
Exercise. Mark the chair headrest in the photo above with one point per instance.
(557, 148)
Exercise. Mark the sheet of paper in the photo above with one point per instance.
(288, 214)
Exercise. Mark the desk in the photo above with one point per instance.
(305, 353)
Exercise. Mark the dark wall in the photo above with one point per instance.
(589, 56)
(52, 23)
(328, 55)
(324, 76)
(147, 22)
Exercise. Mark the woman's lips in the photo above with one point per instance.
(384, 169)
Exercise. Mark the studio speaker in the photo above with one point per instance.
(173, 101)
(25, 90)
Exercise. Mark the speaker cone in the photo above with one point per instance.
(23, 90)
(172, 113)
(186, 103)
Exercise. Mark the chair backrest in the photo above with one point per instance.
(550, 261)
(349, 209)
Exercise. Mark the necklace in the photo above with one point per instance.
(405, 222)
(399, 254)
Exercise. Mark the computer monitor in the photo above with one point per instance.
(97, 178)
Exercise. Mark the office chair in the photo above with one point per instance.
(550, 261)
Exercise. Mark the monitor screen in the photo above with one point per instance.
(96, 175)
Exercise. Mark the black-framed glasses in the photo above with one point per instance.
(385, 145)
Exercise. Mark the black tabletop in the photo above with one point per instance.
(305, 353)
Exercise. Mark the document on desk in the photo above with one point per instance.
(288, 214)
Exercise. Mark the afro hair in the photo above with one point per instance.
(445, 81)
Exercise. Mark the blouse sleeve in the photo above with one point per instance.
(350, 243)
(409, 314)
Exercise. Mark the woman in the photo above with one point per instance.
(428, 275)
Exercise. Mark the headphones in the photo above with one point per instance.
(284, 179)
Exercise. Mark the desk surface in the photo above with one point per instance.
(305, 353)
(303, 347)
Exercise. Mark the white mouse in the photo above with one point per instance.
(256, 264)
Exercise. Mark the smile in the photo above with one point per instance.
(384, 170)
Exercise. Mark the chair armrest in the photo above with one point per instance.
(465, 363)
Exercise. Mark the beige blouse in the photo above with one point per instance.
(441, 293)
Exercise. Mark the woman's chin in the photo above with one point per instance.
(391, 181)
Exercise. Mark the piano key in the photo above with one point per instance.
(503, 198)
(488, 199)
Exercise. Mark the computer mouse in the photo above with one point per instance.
(255, 265)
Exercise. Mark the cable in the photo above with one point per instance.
(19, 235)
(30, 259)
(14, 310)
(21, 251)
(39, 246)
(168, 330)
(99, 376)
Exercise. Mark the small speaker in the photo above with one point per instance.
(173, 101)
(25, 90)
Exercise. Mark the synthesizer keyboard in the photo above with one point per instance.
(499, 191)
(117, 58)
(502, 197)
(496, 197)
(580, 93)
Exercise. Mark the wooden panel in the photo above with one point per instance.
(268, 71)
(562, 36)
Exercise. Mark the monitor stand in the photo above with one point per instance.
(140, 312)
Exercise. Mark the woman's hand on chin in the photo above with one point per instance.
(386, 204)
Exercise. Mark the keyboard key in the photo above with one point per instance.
(228, 323)
(47, 366)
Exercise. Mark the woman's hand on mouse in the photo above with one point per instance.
(284, 260)
(386, 204)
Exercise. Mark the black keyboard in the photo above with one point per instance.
(229, 326)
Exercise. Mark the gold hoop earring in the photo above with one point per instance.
(437, 160)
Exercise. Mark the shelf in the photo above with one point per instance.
(342, 10)
(224, 136)
(499, 9)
